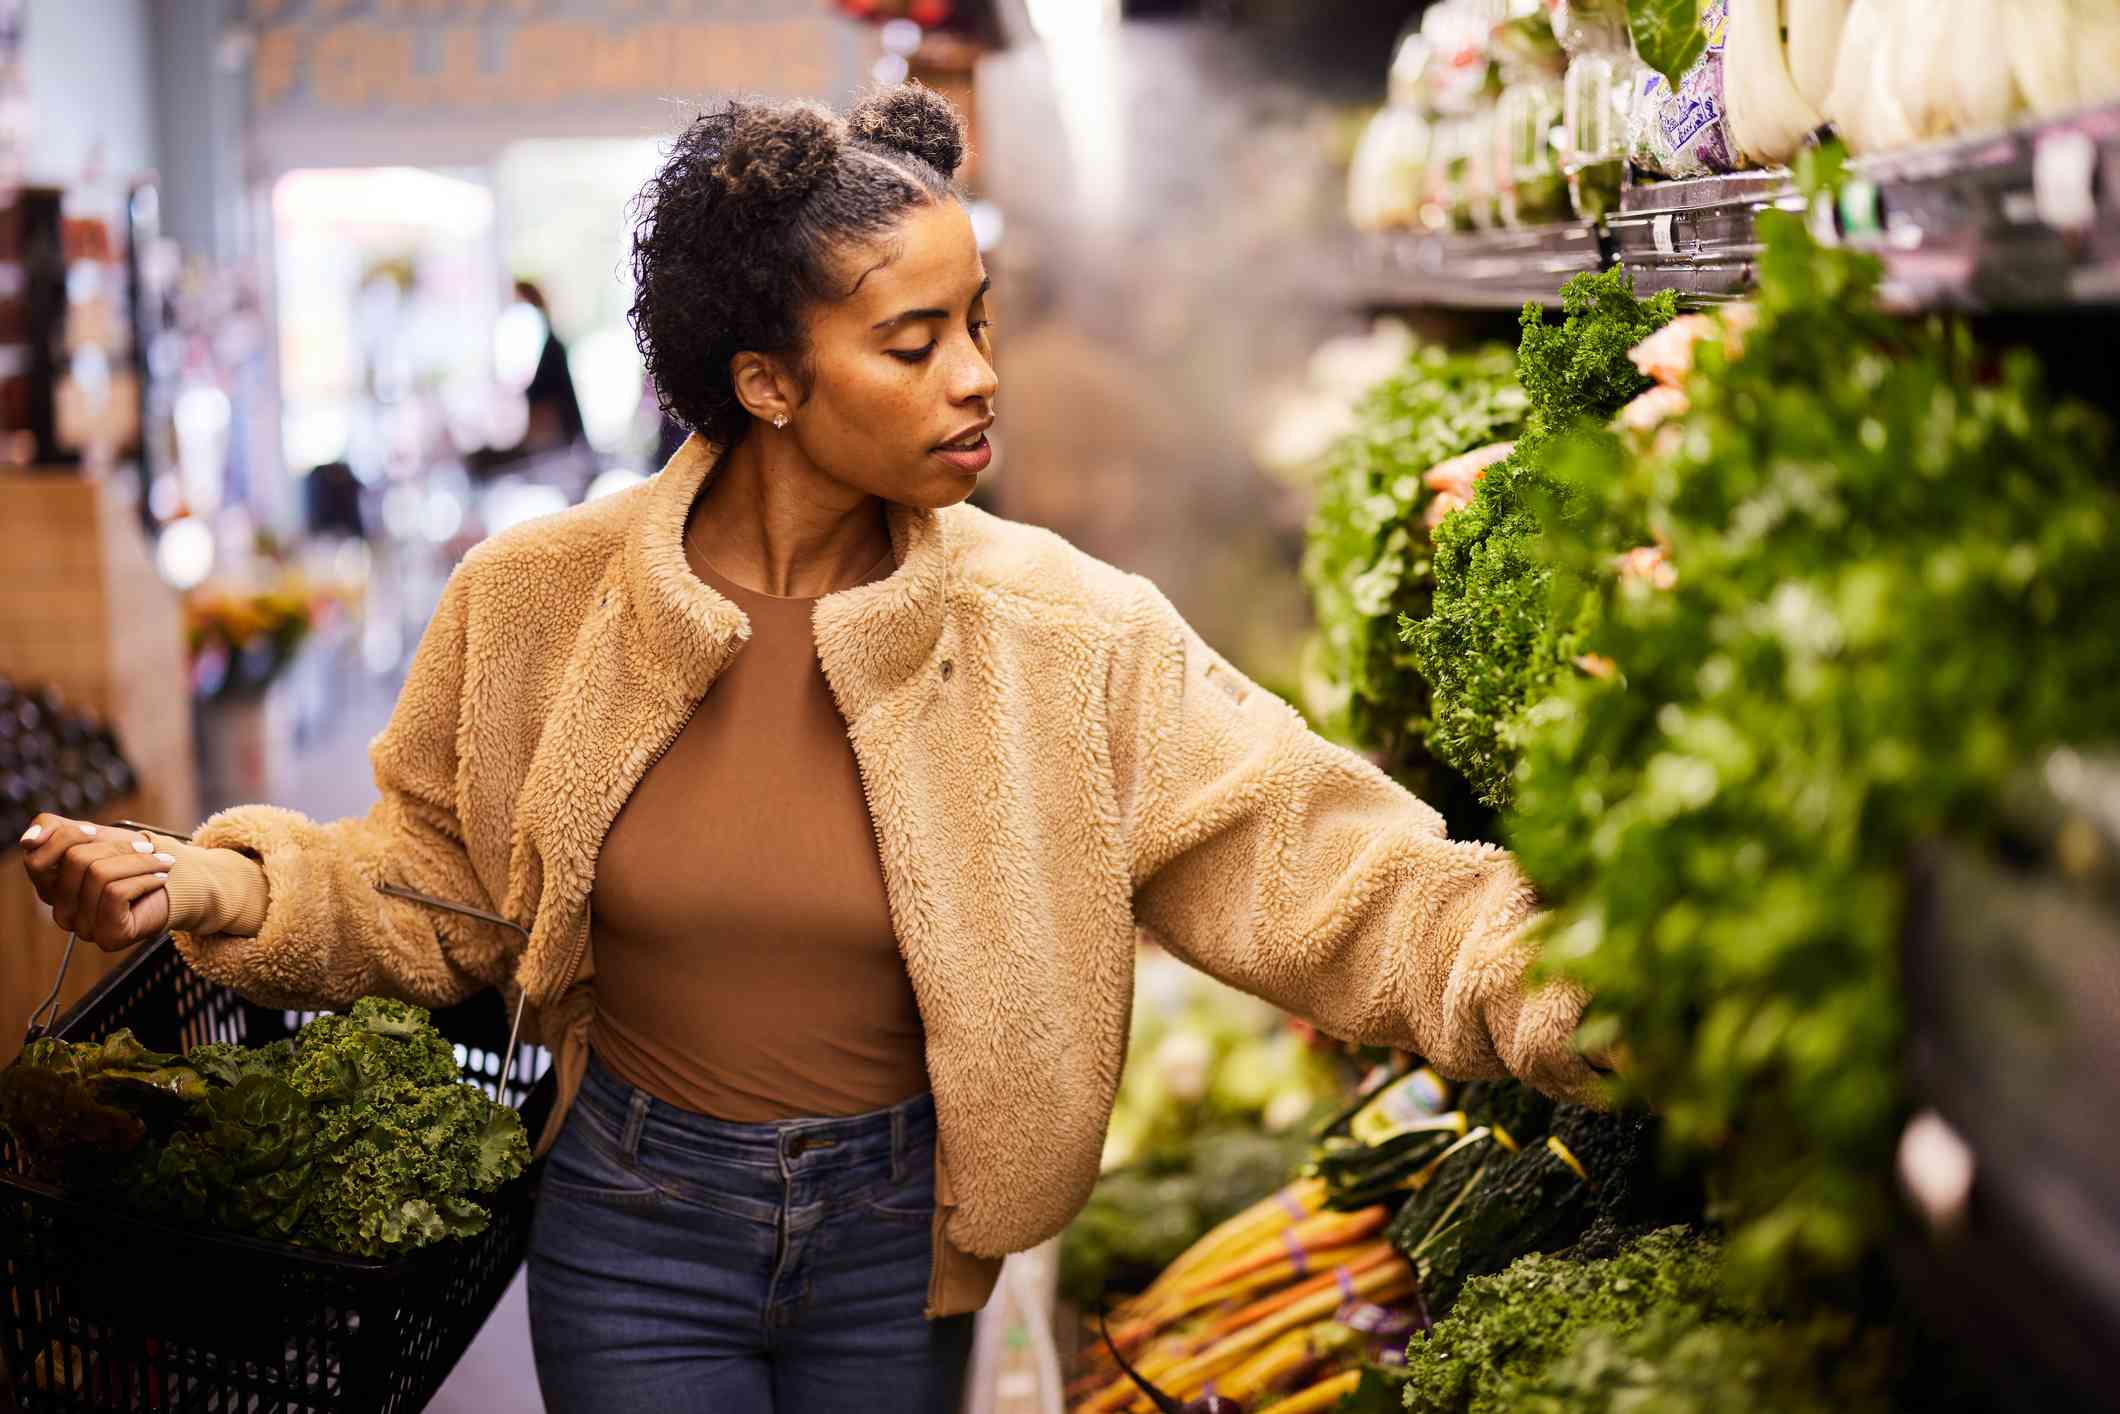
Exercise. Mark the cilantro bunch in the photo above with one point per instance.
(1368, 560)
(1898, 578)
(1505, 617)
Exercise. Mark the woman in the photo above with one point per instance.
(847, 1023)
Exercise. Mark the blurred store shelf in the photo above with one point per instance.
(1472, 269)
(2027, 219)
(1696, 236)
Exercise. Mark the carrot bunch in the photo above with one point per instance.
(1249, 1309)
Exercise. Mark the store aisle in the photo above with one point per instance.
(495, 1372)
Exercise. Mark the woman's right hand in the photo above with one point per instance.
(102, 884)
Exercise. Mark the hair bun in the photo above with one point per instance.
(912, 119)
(773, 156)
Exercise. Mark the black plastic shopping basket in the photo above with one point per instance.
(104, 1310)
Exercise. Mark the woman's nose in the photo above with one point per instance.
(974, 377)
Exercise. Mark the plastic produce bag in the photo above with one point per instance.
(1687, 133)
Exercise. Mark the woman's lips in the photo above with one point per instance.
(971, 462)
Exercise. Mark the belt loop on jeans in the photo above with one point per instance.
(636, 1120)
(898, 1144)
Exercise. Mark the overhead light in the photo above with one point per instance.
(1068, 19)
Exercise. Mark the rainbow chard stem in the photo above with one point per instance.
(1205, 1404)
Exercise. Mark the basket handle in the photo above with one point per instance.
(36, 1030)
(46, 1016)
(40, 1024)
(523, 995)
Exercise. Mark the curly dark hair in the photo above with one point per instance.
(741, 229)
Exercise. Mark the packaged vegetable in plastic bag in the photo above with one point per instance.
(1687, 133)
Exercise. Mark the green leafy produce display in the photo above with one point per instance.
(1650, 1328)
(1368, 559)
(1530, 1177)
(1505, 619)
(1896, 581)
(357, 1136)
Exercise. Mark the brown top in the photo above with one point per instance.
(746, 965)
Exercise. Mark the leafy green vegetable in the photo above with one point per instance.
(1649, 1329)
(1586, 1182)
(249, 1165)
(408, 1140)
(1368, 558)
(1677, 1363)
(1512, 1325)
(225, 1062)
(1503, 622)
(359, 1135)
(1667, 35)
(1897, 580)
(65, 1130)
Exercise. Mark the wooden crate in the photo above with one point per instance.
(84, 611)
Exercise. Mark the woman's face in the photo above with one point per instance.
(904, 366)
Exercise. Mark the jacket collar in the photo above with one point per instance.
(871, 638)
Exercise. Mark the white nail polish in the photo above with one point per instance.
(143, 846)
(165, 859)
(88, 829)
(33, 834)
(162, 876)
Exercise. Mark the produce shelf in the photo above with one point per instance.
(1475, 269)
(1696, 236)
(2022, 220)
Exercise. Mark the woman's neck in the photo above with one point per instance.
(779, 530)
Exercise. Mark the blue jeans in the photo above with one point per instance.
(686, 1265)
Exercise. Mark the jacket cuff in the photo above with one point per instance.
(214, 891)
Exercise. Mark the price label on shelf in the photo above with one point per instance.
(2064, 180)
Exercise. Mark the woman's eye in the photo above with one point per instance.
(979, 328)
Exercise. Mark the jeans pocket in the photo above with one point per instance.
(586, 1167)
(910, 1199)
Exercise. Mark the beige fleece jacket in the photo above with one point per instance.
(1052, 757)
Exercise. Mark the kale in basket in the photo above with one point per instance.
(357, 1136)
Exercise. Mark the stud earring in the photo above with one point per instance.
(780, 419)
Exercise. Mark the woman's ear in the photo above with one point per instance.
(762, 386)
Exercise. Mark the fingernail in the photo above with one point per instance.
(161, 876)
(144, 846)
(165, 859)
(88, 829)
(33, 834)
